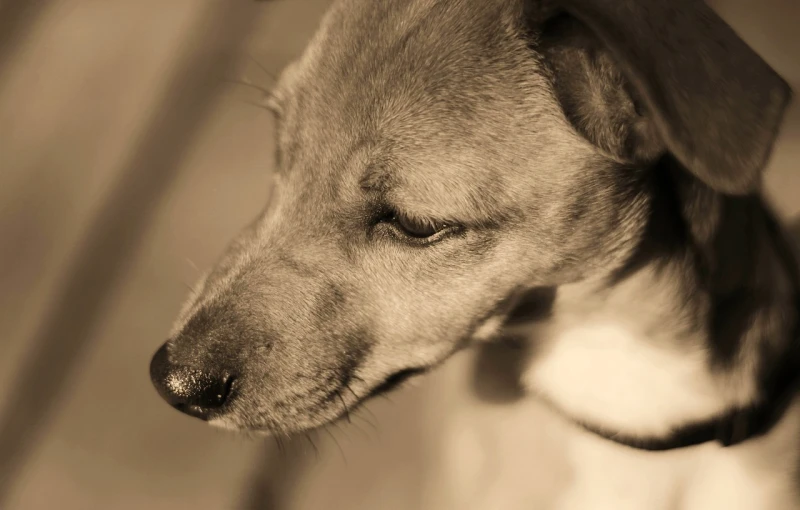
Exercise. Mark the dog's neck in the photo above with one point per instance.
(736, 277)
(699, 322)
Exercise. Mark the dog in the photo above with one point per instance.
(583, 176)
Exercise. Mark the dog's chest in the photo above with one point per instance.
(523, 456)
(608, 476)
(620, 364)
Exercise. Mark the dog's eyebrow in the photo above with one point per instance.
(461, 203)
(376, 178)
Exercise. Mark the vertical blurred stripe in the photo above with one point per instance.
(16, 19)
(117, 229)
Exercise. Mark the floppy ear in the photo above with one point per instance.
(695, 85)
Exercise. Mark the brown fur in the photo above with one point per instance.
(558, 163)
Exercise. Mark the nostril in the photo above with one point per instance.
(214, 393)
(227, 388)
(194, 392)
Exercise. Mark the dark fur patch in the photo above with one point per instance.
(718, 239)
(666, 232)
(329, 303)
(687, 66)
(296, 266)
(535, 305)
(593, 94)
(498, 371)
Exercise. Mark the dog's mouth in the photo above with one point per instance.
(389, 384)
(393, 382)
(341, 397)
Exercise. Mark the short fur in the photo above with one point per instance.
(608, 152)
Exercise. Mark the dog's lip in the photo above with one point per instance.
(391, 382)
(388, 384)
(394, 380)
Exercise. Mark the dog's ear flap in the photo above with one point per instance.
(715, 104)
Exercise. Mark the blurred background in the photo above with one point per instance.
(128, 159)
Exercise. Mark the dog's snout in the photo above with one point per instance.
(198, 393)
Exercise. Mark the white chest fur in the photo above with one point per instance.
(602, 372)
(629, 362)
(523, 456)
(623, 363)
(758, 474)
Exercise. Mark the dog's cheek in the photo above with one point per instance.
(445, 311)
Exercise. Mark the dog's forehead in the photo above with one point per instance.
(408, 70)
(448, 89)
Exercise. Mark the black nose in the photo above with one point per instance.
(194, 392)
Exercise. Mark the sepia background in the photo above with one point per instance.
(128, 158)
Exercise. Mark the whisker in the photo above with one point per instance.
(191, 264)
(316, 450)
(247, 83)
(279, 445)
(261, 106)
(344, 458)
(386, 397)
(342, 429)
(367, 421)
(363, 408)
(346, 410)
(346, 385)
(361, 431)
(261, 66)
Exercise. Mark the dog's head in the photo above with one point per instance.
(437, 158)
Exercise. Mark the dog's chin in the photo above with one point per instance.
(235, 424)
(232, 422)
(231, 425)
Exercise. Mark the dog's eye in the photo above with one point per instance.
(420, 229)
(415, 230)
